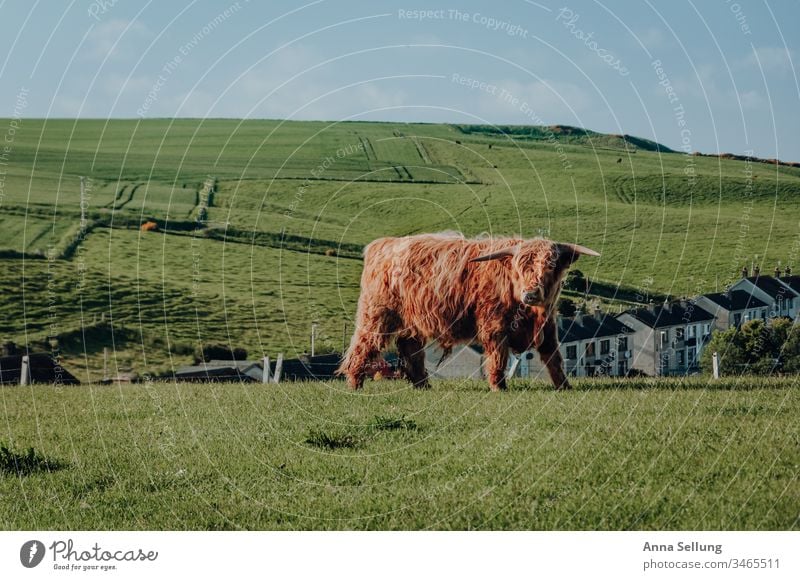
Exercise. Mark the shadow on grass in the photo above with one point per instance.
(696, 383)
(338, 440)
(21, 464)
(331, 441)
(392, 424)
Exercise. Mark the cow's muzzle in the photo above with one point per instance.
(531, 297)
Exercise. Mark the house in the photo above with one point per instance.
(731, 308)
(780, 298)
(221, 371)
(466, 361)
(321, 367)
(42, 368)
(591, 345)
(793, 282)
(669, 337)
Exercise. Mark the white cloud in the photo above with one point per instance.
(752, 100)
(117, 38)
(651, 37)
(770, 58)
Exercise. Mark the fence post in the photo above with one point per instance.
(25, 371)
(715, 365)
(265, 373)
(515, 363)
(278, 369)
(105, 364)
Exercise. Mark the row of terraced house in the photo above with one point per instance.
(667, 339)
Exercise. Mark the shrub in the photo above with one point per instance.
(755, 348)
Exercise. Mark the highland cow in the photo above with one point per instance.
(499, 292)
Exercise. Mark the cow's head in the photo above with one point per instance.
(538, 267)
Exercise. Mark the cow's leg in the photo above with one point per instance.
(412, 361)
(496, 352)
(550, 355)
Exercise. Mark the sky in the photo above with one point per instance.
(715, 76)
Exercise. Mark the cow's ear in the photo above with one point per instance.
(499, 255)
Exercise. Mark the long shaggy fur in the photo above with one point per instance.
(422, 288)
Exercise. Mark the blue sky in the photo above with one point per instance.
(714, 76)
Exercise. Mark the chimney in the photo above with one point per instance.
(684, 304)
(598, 313)
(778, 271)
(787, 271)
(744, 271)
(651, 307)
(756, 270)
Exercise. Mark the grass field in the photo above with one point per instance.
(657, 455)
(255, 273)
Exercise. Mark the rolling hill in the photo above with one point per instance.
(260, 223)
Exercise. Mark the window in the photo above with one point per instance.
(664, 339)
(572, 352)
(605, 346)
(691, 329)
(622, 368)
(763, 314)
(692, 356)
(737, 319)
(679, 333)
(589, 349)
(707, 329)
(680, 358)
(789, 303)
(622, 343)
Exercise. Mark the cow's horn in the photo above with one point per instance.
(581, 250)
(495, 255)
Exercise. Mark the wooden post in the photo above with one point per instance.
(105, 363)
(344, 337)
(278, 369)
(265, 373)
(715, 365)
(313, 338)
(25, 371)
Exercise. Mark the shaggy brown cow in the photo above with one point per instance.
(443, 287)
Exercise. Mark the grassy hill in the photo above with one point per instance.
(286, 207)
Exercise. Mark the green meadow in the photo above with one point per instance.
(651, 455)
(261, 223)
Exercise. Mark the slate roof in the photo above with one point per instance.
(43, 369)
(673, 314)
(221, 370)
(586, 327)
(792, 282)
(771, 286)
(736, 300)
(308, 368)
